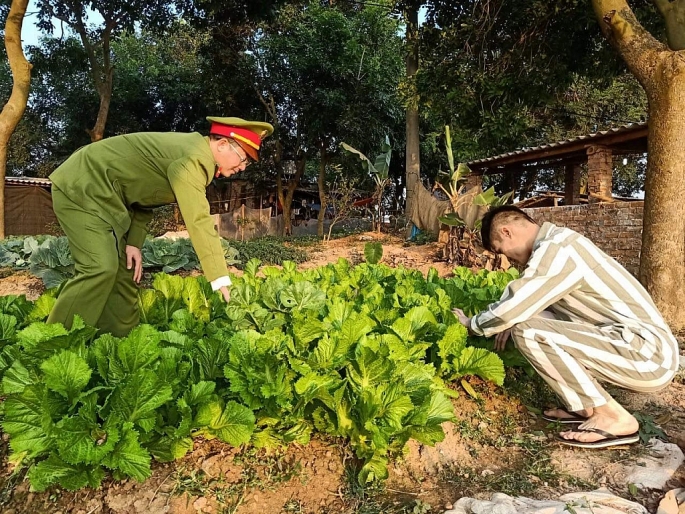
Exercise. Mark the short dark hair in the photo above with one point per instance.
(497, 217)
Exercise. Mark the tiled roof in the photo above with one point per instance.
(33, 181)
(587, 138)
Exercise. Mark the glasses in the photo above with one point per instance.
(243, 160)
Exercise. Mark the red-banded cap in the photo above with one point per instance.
(248, 134)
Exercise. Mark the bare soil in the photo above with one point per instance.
(497, 445)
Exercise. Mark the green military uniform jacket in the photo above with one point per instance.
(122, 178)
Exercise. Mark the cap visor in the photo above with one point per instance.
(251, 152)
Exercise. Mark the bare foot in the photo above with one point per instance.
(564, 414)
(611, 418)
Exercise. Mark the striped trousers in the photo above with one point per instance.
(572, 357)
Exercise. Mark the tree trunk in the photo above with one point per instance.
(661, 71)
(21, 83)
(322, 191)
(662, 261)
(105, 93)
(300, 165)
(413, 157)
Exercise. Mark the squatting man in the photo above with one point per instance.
(578, 317)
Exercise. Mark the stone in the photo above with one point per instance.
(200, 503)
(668, 504)
(601, 501)
(653, 471)
(210, 466)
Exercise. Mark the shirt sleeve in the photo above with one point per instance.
(553, 272)
(221, 282)
(138, 230)
(187, 180)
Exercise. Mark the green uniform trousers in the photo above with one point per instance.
(102, 292)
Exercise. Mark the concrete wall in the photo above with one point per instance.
(614, 227)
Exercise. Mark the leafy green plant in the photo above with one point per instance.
(49, 257)
(173, 254)
(359, 353)
(268, 250)
(649, 429)
(378, 170)
(373, 252)
(51, 261)
(467, 210)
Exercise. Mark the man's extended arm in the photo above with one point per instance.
(553, 272)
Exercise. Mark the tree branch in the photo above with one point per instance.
(664, 6)
(638, 48)
(674, 16)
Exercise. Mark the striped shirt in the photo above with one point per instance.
(569, 276)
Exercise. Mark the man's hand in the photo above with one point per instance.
(226, 292)
(134, 259)
(463, 318)
(501, 340)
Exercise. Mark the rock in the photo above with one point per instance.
(652, 472)
(669, 504)
(166, 487)
(141, 505)
(200, 503)
(601, 501)
(210, 466)
(119, 503)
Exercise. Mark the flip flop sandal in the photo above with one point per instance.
(572, 418)
(609, 439)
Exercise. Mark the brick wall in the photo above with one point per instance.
(614, 227)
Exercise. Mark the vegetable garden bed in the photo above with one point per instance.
(311, 383)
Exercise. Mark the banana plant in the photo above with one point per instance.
(379, 171)
(467, 210)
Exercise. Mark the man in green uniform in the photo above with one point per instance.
(103, 196)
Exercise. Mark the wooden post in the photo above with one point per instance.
(572, 185)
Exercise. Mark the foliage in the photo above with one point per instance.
(174, 254)
(468, 208)
(649, 428)
(350, 352)
(373, 252)
(314, 64)
(15, 251)
(51, 261)
(269, 250)
(341, 195)
(49, 258)
(163, 221)
(379, 172)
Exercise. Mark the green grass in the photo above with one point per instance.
(268, 250)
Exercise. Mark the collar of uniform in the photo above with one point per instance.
(544, 231)
(216, 165)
